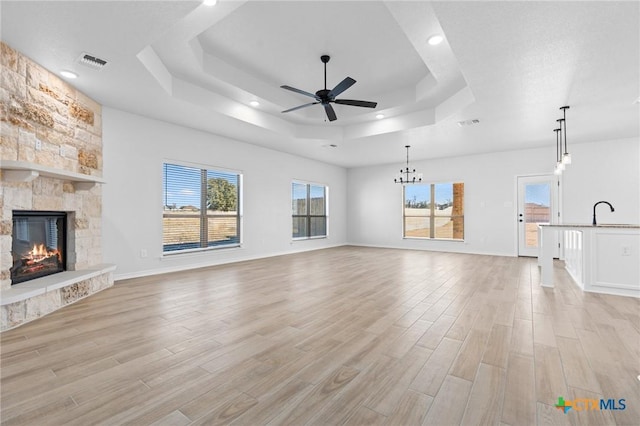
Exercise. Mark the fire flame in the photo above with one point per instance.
(40, 252)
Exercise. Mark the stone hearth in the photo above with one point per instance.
(51, 160)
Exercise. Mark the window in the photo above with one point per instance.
(434, 211)
(309, 210)
(201, 208)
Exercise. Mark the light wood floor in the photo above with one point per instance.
(349, 335)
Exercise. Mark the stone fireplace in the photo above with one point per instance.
(50, 161)
(38, 244)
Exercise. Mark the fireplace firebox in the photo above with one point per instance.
(38, 244)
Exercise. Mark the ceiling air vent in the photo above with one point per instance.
(91, 61)
(468, 122)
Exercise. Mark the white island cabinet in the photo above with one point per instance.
(601, 258)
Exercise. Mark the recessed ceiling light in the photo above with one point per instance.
(379, 116)
(254, 104)
(210, 2)
(68, 74)
(637, 101)
(435, 39)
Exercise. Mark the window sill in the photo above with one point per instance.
(433, 239)
(321, 237)
(173, 254)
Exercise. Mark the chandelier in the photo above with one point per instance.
(408, 175)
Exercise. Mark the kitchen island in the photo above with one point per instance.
(600, 258)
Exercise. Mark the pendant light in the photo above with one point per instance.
(408, 175)
(560, 163)
(566, 157)
(559, 166)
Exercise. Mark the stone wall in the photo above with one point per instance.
(46, 121)
(37, 105)
(17, 313)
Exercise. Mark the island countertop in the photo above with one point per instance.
(600, 225)
(599, 258)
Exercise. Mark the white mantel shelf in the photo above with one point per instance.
(23, 171)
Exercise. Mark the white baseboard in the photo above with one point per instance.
(207, 264)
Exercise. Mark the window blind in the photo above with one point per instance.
(201, 208)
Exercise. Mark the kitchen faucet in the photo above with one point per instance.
(594, 210)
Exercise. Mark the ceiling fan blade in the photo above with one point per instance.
(302, 92)
(331, 114)
(341, 87)
(365, 104)
(301, 106)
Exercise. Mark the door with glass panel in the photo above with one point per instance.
(537, 204)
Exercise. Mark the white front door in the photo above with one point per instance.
(537, 203)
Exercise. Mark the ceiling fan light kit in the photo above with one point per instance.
(326, 97)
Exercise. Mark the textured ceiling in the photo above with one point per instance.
(292, 56)
(509, 64)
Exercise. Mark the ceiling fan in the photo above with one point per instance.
(326, 97)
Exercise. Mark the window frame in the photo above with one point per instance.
(202, 214)
(431, 216)
(308, 216)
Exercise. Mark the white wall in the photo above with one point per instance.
(134, 150)
(608, 171)
(600, 171)
(365, 205)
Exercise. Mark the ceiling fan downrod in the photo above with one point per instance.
(325, 59)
